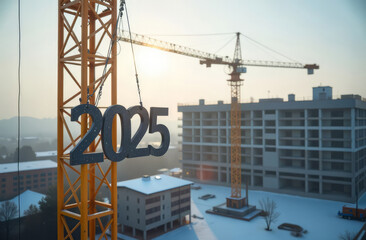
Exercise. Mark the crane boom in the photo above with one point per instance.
(237, 66)
(206, 58)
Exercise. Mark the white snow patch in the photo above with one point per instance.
(26, 199)
(318, 217)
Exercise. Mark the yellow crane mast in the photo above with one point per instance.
(84, 27)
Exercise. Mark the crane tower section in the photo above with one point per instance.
(85, 28)
(235, 84)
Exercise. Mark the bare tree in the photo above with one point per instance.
(8, 210)
(347, 236)
(31, 210)
(269, 211)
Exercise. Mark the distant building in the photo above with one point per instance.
(312, 148)
(46, 155)
(149, 202)
(37, 176)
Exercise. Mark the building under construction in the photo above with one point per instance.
(313, 148)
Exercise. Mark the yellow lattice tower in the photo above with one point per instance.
(85, 28)
(235, 138)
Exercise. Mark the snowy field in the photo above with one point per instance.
(318, 217)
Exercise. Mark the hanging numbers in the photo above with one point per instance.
(128, 146)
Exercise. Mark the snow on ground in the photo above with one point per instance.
(318, 217)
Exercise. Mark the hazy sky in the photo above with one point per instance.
(330, 33)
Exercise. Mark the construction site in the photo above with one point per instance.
(243, 165)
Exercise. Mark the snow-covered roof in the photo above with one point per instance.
(26, 166)
(175, 170)
(26, 199)
(157, 183)
(46, 154)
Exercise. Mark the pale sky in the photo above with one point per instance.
(330, 33)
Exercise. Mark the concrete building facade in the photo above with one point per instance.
(37, 176)
(312, 148)
(151, 202)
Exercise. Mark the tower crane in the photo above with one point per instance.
(237, 66)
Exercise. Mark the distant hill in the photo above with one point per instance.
(30, 127)
(47, 127)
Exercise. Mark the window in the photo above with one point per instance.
(127, 208)
(138, 210)
(152, 210)
(3, 180)
(267, 149)
(270, 173)
(270, 130)
(138, 200)
(127, 198)
(49, 174)
(152, 220)
(138, 221)
(152, 200)
(175, 203)
(180, 210)
(127, 217)
(29, 176)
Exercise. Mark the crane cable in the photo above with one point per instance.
(227, 43)
(268, 48)
(111, 44)
(19, 91)
(189, 35)
(133, 56)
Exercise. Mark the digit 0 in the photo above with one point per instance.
(107, 133)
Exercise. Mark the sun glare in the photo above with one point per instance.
(152, 61)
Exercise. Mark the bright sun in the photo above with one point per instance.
(152, 61)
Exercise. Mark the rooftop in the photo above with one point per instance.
(27, 166)
(46, 154)
(157, 183)
(318, 217)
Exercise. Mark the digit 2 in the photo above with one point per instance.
(144, 117)
(77, 155)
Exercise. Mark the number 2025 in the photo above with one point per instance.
(128, 147)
